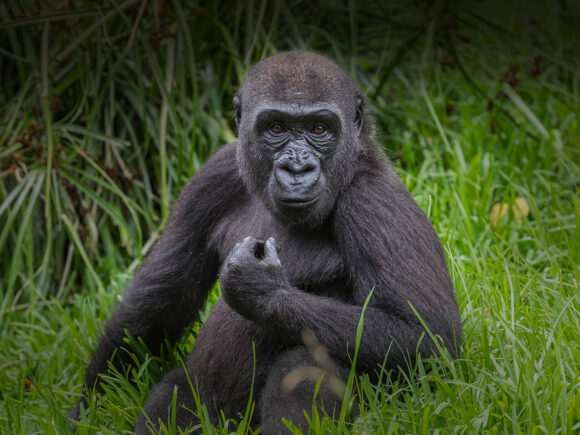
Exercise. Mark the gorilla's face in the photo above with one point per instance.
(298, 135)
(297, 140)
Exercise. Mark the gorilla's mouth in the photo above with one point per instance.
(297, 202)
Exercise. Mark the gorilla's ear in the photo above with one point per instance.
(237, 110)
(358, 118)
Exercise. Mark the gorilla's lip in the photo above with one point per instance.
(297, 202)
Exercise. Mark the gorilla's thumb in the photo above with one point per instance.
(270, 253)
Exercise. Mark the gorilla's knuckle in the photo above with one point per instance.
(230, 264)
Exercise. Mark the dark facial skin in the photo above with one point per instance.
(301, 218)
(307, 144)
(297, 140)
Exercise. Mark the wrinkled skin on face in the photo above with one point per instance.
(299, 135)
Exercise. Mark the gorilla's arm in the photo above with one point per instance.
(173, 282)
(387, 244)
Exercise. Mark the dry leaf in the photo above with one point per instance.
(519, 209)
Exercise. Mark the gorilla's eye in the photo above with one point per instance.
(276, 128)
(319, 129)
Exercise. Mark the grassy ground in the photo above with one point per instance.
(107, 109)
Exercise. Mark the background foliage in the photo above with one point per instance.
(107, 109)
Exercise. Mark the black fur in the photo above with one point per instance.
(288, 267)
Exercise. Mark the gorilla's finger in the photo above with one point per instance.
(248, 244)
(234, 253)
(270, 252)
(245, 249)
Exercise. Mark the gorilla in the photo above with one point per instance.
(302, 218)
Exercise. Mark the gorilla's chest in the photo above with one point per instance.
(310, 259)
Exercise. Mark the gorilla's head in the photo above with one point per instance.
(302, 122)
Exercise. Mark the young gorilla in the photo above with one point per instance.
(305, 177)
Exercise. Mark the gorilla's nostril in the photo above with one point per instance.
(298, 168)
(295, 168)
(290, 174)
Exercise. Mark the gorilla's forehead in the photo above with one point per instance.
(296, 90)
(299, 107)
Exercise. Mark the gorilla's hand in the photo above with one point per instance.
(250, 277)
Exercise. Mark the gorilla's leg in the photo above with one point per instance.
(290, 389)
(160, 400)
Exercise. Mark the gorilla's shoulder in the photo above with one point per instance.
(373, 169)
(222, 164)
(217, 182)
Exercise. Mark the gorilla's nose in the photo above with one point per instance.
(297, 172)
(298, 167)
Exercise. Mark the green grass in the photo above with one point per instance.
(106, 111)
